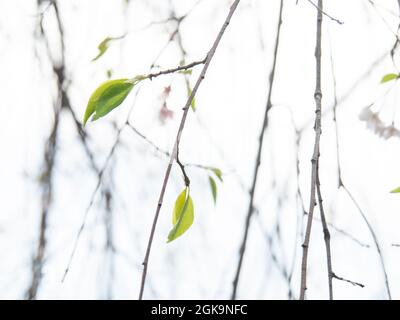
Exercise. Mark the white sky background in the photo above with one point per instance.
(222, 133)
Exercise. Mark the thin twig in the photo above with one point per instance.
(280, 266)
(327, 235)
(250, 209)
(177, 69)
(374, 237)
(210, 55)
(315, 157)
(324, 13)
(349, 281)
(352, 198)
(92, 198)
(347, 235)
(157, 148)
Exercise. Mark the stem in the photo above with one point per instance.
(180, 68)
(315, 157)
(327, 236)
(209, 57)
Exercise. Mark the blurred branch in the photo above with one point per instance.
(341, 185)
(327, 235)
(91, 202)
(280, 266)
(50, 154)
(250, 209)
(324, 13)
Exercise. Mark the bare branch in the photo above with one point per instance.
(177, 69)
(250, 209)
(352, 198)
(324, 13)
(349, 281)
(315, 157)
(210, 55)
(327, 236)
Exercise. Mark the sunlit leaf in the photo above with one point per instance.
(107, 96)
(389, 77)
(397, 190)
(218, 173)
(104, 45)
(183, 215)
(213, 186)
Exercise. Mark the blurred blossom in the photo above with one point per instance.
(376, 125)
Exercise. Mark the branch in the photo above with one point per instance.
(250, 209)
(180, 68)
(210, 56)
(327, 236)
(374, 237)
(353, 88)
(346, 280)
(50, 155)
(344, 187)
(92, 198)
(100, 172)
(315, 157)
(324, 13)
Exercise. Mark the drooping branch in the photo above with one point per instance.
(250, 209)
(342, 185)
(324, 13)
(327, 235)
(315, 156)
(50, 154)
(174, 152)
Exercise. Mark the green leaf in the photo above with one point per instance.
(107, 96)
(183, 215)
(389, 77)
(218, 173)
(213, 186)
(104, 45)
(397, 190)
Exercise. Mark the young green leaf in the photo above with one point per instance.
(107, 96)
(213, 186)
(183, 215)
(389, 77)
(218, 173)
(104, 45)
(397, 190)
